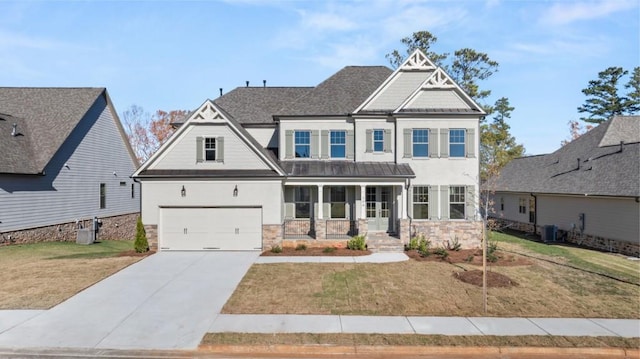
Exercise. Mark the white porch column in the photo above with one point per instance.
(363, 201)
(403, 204)
(320, 199)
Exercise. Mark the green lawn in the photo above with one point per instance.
(67, 250)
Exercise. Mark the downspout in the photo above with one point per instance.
(535, 218)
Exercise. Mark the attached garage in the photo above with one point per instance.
(210, 228)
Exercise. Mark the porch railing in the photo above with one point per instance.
(341, 228)
(298, 229)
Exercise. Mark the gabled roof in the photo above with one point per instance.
(45, 117)
(257, 105)
(340, 94)
(595, 164)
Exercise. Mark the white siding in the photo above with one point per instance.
(362, 126)
(267, 137)
(614, 218)
(182, 153)
(311, 125)
(511, 206)
(398, 90)
(264, 193)
(95, 153)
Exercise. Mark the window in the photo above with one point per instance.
(522, 205)
(338, 144)
(209, 149)
(338, 200)
(456, 142)
(502, 203)
(123, 184)
(133, 190)
(303, 144)
(103, 195)
(302, 199)
(421, 202)
(420, 143)
(456, 202)
(378, 140)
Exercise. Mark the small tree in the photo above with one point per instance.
(141, 245)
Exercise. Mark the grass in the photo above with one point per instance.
(418, 340)
(41, 275)
(429, 288)
(591, 260)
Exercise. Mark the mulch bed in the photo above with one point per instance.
(470, 256)
(133, 253)
(314, 252)
(494, 279)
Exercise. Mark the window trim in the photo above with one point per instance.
(420, 191)
(522, 205)
(422, 143)
(461, 201)
(380, 141)
(133, 190)
(457, 143)
(205, 151)
(103, 196)
(343, 144)
(295, 143)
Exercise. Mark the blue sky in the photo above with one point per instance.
(174, 55)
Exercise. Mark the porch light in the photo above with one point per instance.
(183, 192)
(235, 191)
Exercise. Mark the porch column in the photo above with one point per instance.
(403, 204)
(320, 204)
(363, 201)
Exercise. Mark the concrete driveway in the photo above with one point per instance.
(166, 301)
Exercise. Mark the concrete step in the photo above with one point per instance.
(384, 243)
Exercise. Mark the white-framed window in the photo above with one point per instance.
(457, 202)
(133, 190)
(338, 200)
(502, 203)
(338, 143)
(302, 199)
(456, 142)
(302, 142)
(103, 195)
(209, 149)
(420, 142)
(378, 140)
(522, 205)
(421, 202)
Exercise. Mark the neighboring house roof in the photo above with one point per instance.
(256, 105)
(340, 94)
(595, 164)
(45, 117)
(347, 169)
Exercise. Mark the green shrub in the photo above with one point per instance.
(276, 249)
(141, 244)
(423, 246)
(442, 252)
(492, 247)
(469, 258)
(454, 244)
(329, 250)
(413, 244)
(301, 247)
(357, 243)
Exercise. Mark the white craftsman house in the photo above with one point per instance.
(369, 151)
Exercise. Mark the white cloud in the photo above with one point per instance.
(15, 40)
(565, 13)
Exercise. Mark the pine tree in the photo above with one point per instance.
(140, 245)
(603, 100)
(497, 145)
(633, 97)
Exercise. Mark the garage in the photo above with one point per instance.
(211, 228)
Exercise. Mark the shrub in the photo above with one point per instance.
(454, 244)
(469, 258)
(357, 243)
(329, 250)
(301, 247)
(276, 249)
(141, 244)
(413, 244)
(492, 247)
(442, 252)
(423, 246)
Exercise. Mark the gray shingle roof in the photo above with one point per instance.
(583, 167)
(257, 105)
(45, 118)
(347, 169)
(341, 93)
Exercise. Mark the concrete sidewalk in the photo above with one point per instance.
(372, 258)
(267, 323)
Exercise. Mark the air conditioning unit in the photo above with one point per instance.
(549, 233)
(85, 236)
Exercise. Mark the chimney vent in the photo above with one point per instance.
(264, 83)
(247, 83)
(220, 91)
(14, 132)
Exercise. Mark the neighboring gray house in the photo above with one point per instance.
(64, 160)
(382, 153)
(589, 189)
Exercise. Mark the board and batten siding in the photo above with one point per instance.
(94, 153)
(263, 193)
(613, 218)
(182, 153)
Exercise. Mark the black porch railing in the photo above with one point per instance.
(299, 229)
(341, 229)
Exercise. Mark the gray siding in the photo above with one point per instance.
(94, 151)
(398, 90)
(438, 99)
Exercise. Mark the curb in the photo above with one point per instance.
(333, 350)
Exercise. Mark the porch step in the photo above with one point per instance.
(384, 243)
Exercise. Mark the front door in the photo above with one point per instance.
(378, 202)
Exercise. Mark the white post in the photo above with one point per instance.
(363, 201)
(320, 198)
(404, 203)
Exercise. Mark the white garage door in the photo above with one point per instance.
(237, 228)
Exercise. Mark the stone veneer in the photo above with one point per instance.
(271, 235)
(122, 227)
(469, 233)
(152, 236)
(404, 231)
(502, 223)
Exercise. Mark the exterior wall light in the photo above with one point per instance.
(183, 192)
(235, 191)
